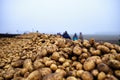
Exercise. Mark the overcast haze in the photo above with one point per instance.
(52, 16)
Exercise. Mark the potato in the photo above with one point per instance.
(114, 64)
(55, 56)
(101, 76)
(74, 58)
(28, 65)
(87, 76)
(60, 42)
(103, 48)
(66, 64)
(95, 72)
(96, 52)
(53, 67)
(41, 52)
(84, 50)
(71, 78)
(18, 63)
(37, 64)
(110, 77)
(1, 78)
(53, 76)
(117, 47)
(92, 41)
(71, 73)
(79, 66)
(18, 78)
(117, 73)
(113, 51)
(67, 50)
(2, 64)
(9, 73)
(96, 59)
(26, 74)
(84, 55)
(89, 65)
(35, 75)
(45, 71)
(79, 73)
(23, 71)
(48, 63)
(109, 45)
(61, 71)
(51, 48)
(117, 57)
(103, 68)
(62, 59)
(77, 50)
(86, 43)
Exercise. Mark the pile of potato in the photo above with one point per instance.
(36, 56)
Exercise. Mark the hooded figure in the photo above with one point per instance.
(66, 35)
(75, 37)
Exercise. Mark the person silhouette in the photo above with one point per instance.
(66, 35)
(75, 37)
(81, 36)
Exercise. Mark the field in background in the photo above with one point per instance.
(108, 38)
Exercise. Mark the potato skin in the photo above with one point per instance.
(38, 64)
(117, 73)
(103, 68)
(114, 64)
(95, 72)
(35, 75)
(71, 78)
(89, 65)
(101, 76)
(17, 63)
(53, 76)
(87, 76)
(77, 50)
(28, 65)
(45, 71)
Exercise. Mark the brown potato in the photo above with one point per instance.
(55, 56)
(71, 78)
(77, 50)
(103, 68)
(79, 73)
(95, 72)
(61, 71)
(17, 63)
(28, 65)
(38, 64)
(101, 76)
(117, 73)
(103, 48)
(87, 76)
(53, 67)
(114, 64)
(53, 76)
(89, 65)
(35, 75)
(45, 71)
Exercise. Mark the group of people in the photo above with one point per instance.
(75, 37)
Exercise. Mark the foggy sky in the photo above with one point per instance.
(52, 16)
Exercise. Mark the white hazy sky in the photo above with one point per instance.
(52, 16)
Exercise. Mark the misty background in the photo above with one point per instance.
(91, 17)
